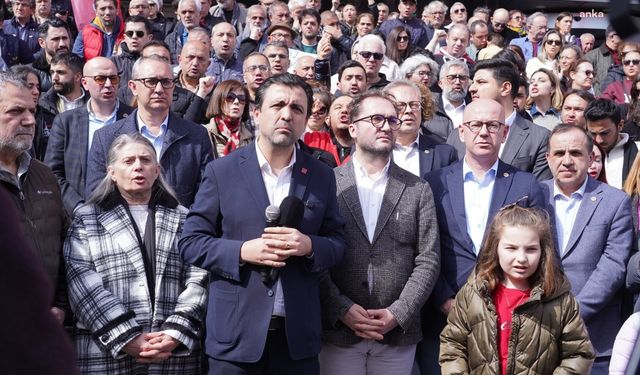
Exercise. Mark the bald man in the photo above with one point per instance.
(304, 67)
(193, 61)
(72, 131)
(225, 64)
(471, 191)
(498, 24)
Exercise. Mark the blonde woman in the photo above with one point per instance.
(545, 99)
(548, 53)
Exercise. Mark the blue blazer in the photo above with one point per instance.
(229, 210)
(456, 247)
(185, 153)
(434, 153)
(596, 257)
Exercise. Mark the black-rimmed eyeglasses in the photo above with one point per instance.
(378, 121)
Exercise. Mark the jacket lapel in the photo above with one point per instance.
(590, 201)
(167, 224)
(518, 133)
(300, 175)
(174, 133)
(83, 142)
(455, 183)
(426, 156)
(348, 190)
(392, 194)
(250, 171)
(501, 187)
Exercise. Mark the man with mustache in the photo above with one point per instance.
(183, 147)
(450, 104)
(66, 93)
(455, 48)
(31, 186)
(225, 63)
(72, 131)
(193, 61)
(54, 36)
(189, 15)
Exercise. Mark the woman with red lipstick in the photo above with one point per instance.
(545, 99)
(228, 112)
(516, 313)
(596, 170)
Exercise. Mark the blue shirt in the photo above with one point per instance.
(477, 201)
(96, 124)
(566, 212)
(156, 139)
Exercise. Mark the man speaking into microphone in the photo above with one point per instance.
(259, 324)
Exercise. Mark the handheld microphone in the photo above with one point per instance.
(291, 215)
(272, 214)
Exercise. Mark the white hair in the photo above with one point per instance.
(369, 38)
(196, 2)
(293, 4)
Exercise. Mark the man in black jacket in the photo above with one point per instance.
(54, 37)
(137, 33)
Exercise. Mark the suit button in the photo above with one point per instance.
(104, 338)
(270, 293)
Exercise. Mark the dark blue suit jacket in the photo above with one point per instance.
(435, 154)
(456, 247)
(185, 153)
(229, 210)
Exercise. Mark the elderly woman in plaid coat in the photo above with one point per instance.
(138, 308)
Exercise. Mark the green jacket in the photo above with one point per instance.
(548, 335)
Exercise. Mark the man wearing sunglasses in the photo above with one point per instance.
(72, 131)
(369, 51)
(372, 303)
(467, 195)
(420, 32)
(498, 24)
(137, 33)
(183, 147)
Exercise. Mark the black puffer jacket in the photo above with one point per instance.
(42, 66)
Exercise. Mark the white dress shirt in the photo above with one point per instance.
(508, 121)
(95, 123)
(615, 161)
(277, 186)
(566, 212)
(454, 113)
(477, 201)
(408, 157)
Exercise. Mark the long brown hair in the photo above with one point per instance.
(216, 103)
(548, 274)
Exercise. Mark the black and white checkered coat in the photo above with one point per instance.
(109, 295)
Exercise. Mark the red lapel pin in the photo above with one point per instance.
(303, 170)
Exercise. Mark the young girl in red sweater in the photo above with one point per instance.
(516, 314)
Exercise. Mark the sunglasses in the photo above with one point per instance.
(101, 80)
(402, 38)
(554, 42)
(367, 55)
(461, 10)
(630, 62)
(137, 33)
(498, 25)
(231, 97)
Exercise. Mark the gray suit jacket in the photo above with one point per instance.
(526, 147)
(404, 257)
(595, 259)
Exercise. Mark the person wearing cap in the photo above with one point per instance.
(277, 32)
(420, 32)
(160, 24)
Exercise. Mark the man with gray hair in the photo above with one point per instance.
(22, 25)
(183, 148)
(31, 185)
(454, 82)
(369, 51)
(188, 13)
(434, 14)
(458, 14)
(455, 48)
(536, 28)
(587, 41)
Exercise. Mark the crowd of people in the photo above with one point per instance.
(285, 189)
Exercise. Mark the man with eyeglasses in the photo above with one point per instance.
(137, 33)
(54, 37)
(72, 131)
(525, 146)
(531, 44)
(278, 55)
(417, 149)
(458, 14)
(139, 8)
(369, 51)
(467, 195)
(434, 13)
(256, 70)
(183, 147)
(450, 104)
(603, 57)
(66, 93)
(498, 24)
(22, 25)
(372, 303)
(102, 36)
(420, 33)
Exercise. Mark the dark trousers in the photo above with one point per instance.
(274, 361)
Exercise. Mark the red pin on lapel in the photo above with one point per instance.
(303, 170)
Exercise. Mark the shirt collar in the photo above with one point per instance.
(535, 112)
(143, 127)
(511, 118)
(557, 193)
(67, 101)
(411, 145)
(449, 106)
(264, 163)
(92, 115)
(362, 173)
(24, 160)
(470, 176)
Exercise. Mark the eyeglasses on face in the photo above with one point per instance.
(231, 97)
(630, 62)
(423, 73)
(320, 111)
(367, 55)
(378, 121)
(253, 68)
(499, 25)
(401, 107)
(453, 77)
(402, 38)
(476, 126)
(554, 42)
(137, 33)
(101, 80)
(280, 35)
(459, 10)
(152, 82)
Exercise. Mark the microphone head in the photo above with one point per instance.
(292, 212)
(272, 213)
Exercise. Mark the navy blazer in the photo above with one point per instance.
(596, 256)
(457, 255)
(67, 152)
(229, 210)
(434, 153)
(185, 153)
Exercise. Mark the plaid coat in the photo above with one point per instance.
(109, 294)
